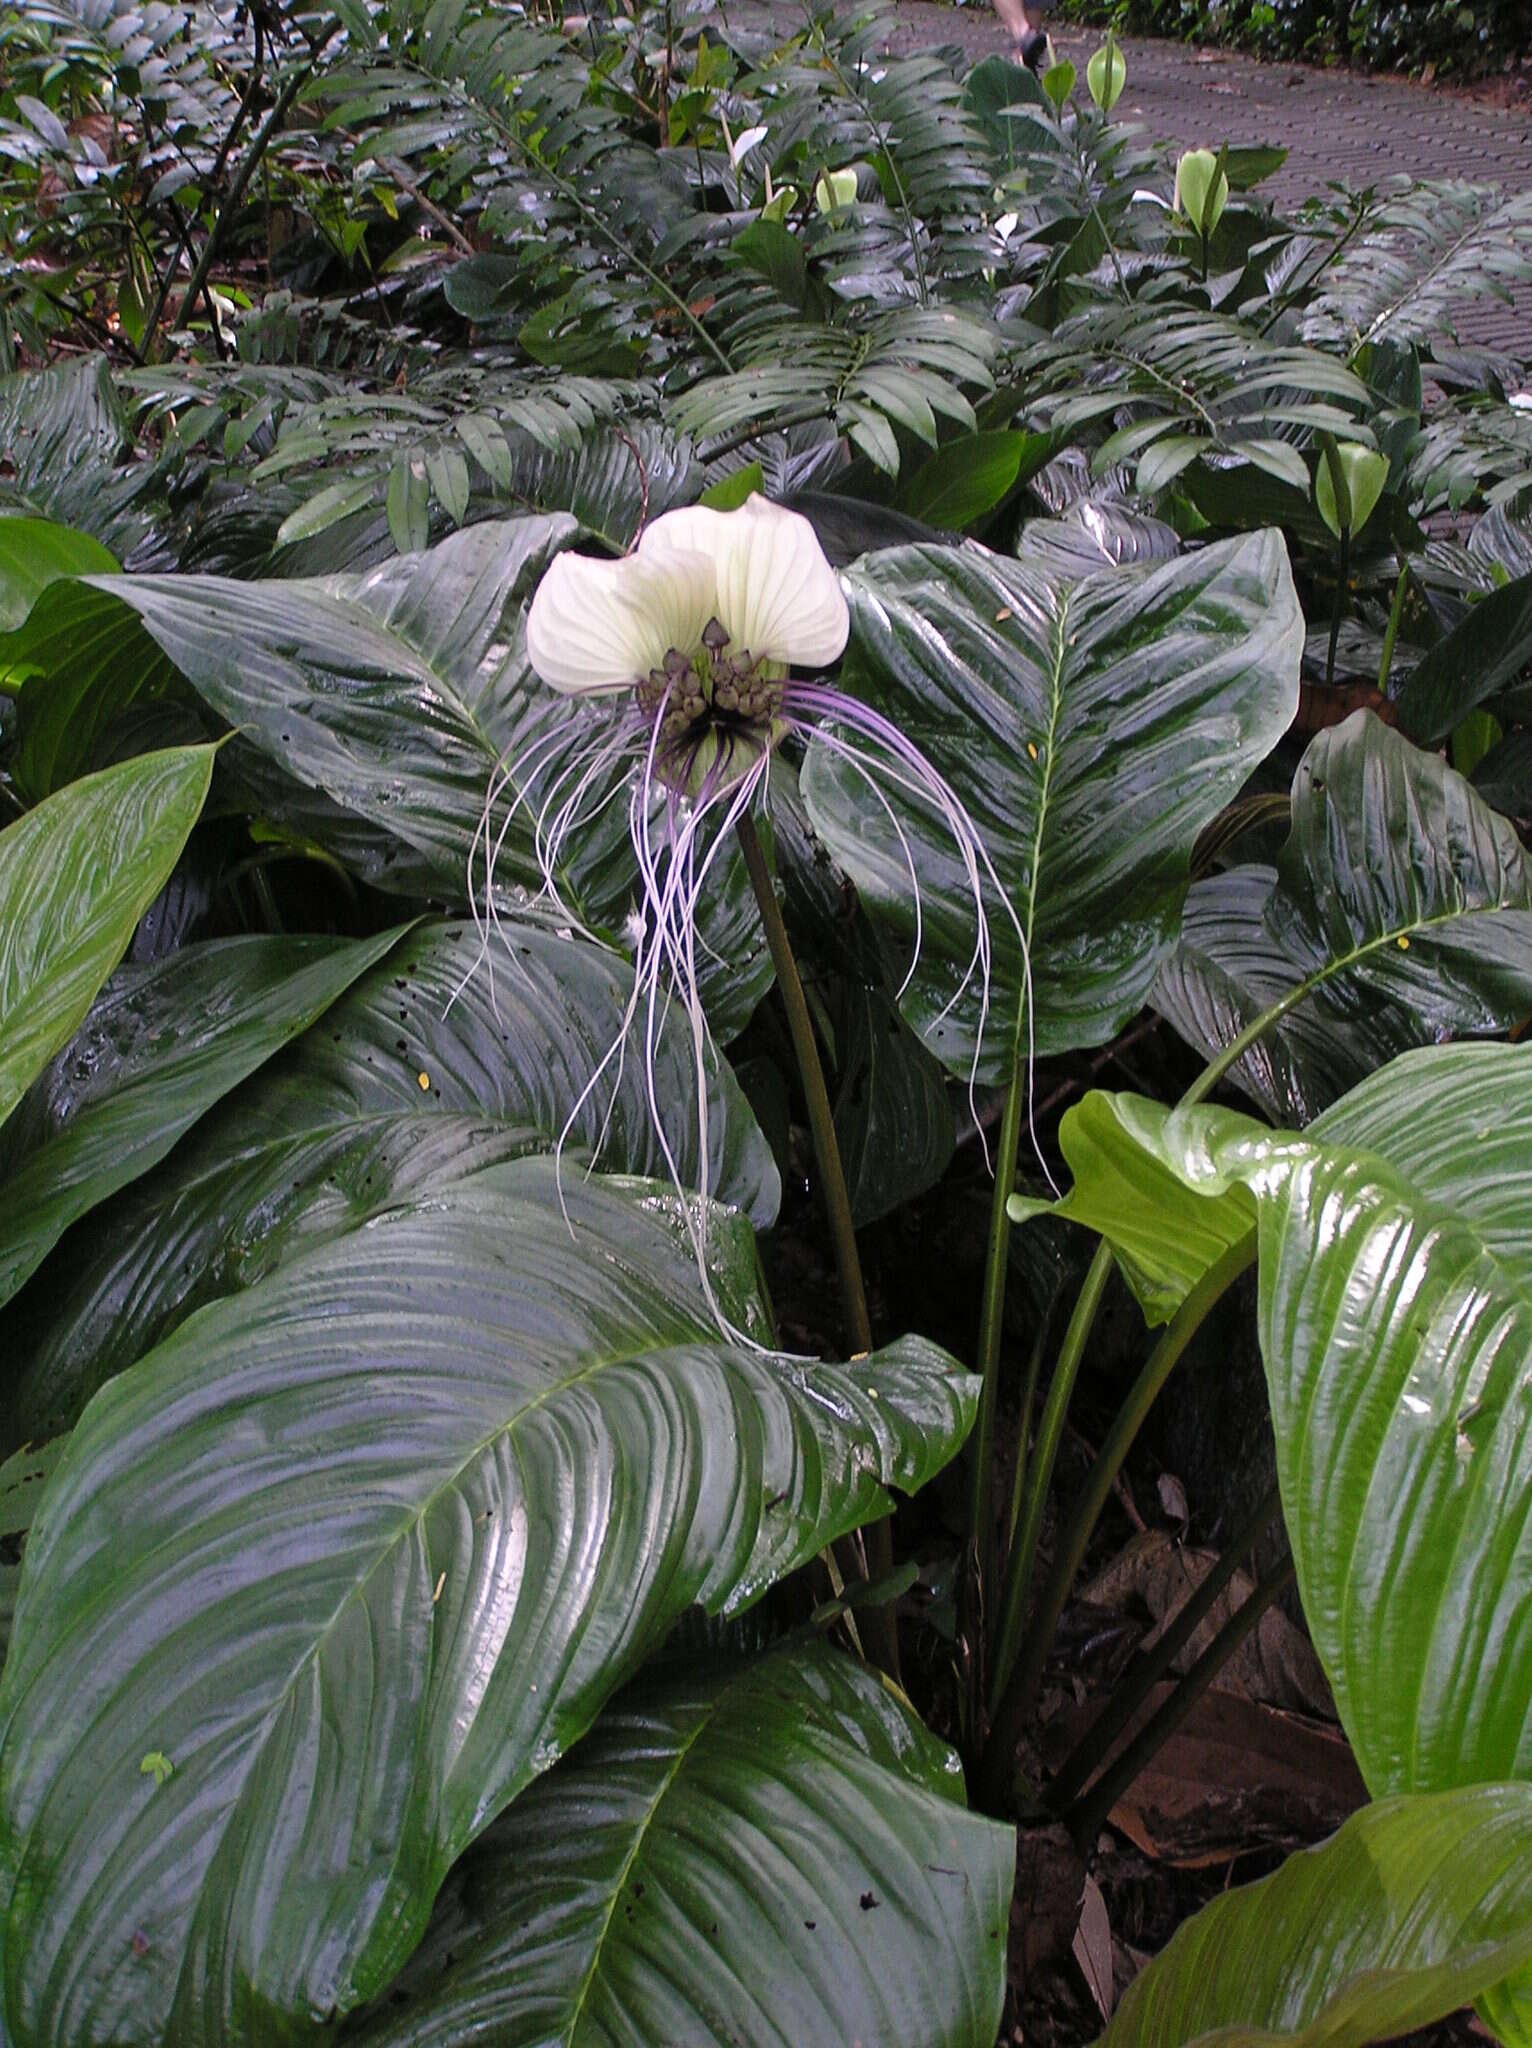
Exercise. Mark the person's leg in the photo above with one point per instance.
(1016, 18)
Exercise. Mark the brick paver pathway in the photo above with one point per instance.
(1337, 124)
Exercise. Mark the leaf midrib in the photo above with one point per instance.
(640, 1838)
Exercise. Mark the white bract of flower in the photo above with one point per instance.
(700, 627)
(759, 572)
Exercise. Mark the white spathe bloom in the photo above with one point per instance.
(698, 629)
(759, 572)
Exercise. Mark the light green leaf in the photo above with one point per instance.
(1417, 1906)
(84, 662)
(848, 1896)
(325, 509)
(1059, 82)
(970, 476)
(76, 875)
(1164, 1237)
(35, 553)
(731, 491)
(1396, 1324)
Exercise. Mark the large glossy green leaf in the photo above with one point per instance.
(63, 436)
(394, 692)
(893, 1121)
(1226, 970)
(1091, 731)
(1094, 534)
(1418, 1905)
(1400, 912)
(76, 875)
(160, 1045)
(340, 1128)
(22, 1479)
(776, 1852)
(1489, 649)
(360, 1552)
(1395, 1314)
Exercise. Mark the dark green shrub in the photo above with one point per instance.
(1449, 34)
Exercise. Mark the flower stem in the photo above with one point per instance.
(1396, 612)
(1039, 1476)
(981, 1447)
(800, 1026)
(1339, 611)
(879, 1621)
(1017, 1682)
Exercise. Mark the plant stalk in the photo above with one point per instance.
(879, 1621)
(1391, 632)
(981, 1445)
(1094, 1808)
(1017, 1683)
(225, 149)
(249, 163)
(1050, 1434)
(805, 416)
(1024, 1445)
(1338, 611)
(1146, 1670)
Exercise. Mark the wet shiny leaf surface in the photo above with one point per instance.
(378, 1539)
(1091, 730)
(845, 1893)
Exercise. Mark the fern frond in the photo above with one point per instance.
(1477, 450)
(898, 369)
(1177, 385)
(1416, 259)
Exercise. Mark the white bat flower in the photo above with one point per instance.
(702, 625)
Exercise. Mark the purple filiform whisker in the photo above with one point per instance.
(681, 820)
(815, 705)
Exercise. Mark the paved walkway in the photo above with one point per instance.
(1336, 124)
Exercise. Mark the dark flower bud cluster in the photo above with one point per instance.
(706, 697)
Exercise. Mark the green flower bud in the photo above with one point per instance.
(1106, 74)
(1364, 473)
(1202, 190)
(836, 188)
